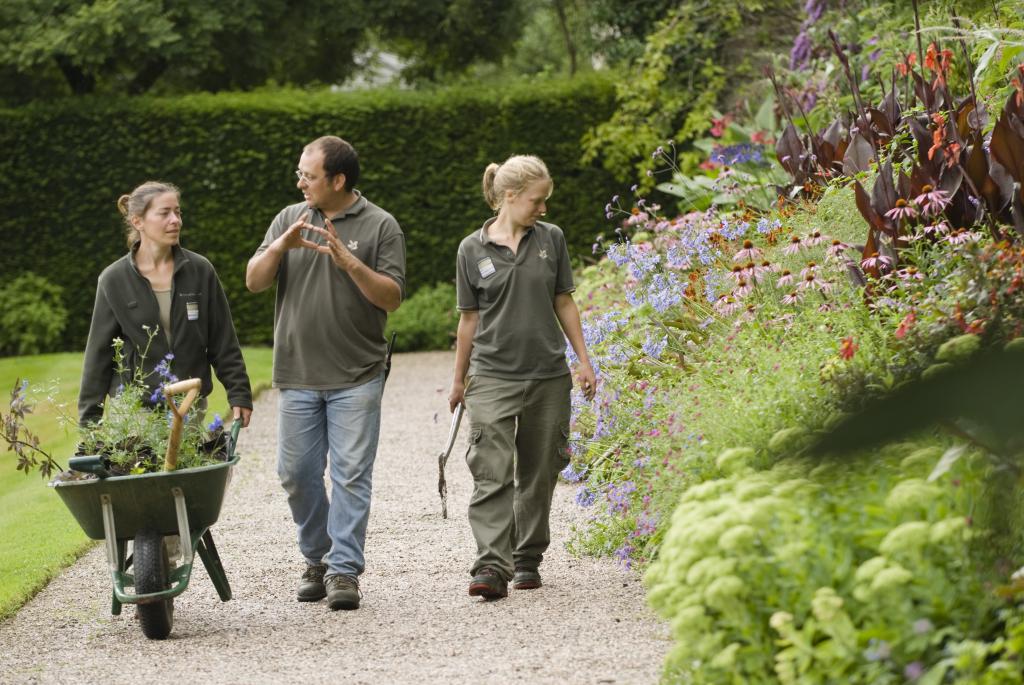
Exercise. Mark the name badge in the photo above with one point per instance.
(486, 267)
(193, 310)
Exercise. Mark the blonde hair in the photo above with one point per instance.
(515, 173)
(137, 202)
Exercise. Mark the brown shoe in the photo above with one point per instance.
(526, 579)
(489, 584)
(311, 587)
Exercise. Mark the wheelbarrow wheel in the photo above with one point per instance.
(151, 570)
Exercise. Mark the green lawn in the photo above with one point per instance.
(38, 537)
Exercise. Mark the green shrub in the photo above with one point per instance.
(32, 315)
(233, 156)
(426, 321)
(834, 573)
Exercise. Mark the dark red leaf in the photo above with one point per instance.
(891, 107)
(859, 155)
(964, 120)
(834, 133)
(790, 150)
(1008, 148)
(864, 205)
(880, 122)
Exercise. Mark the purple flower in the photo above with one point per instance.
(216, 424)
(157, 396)
(800, 54)
(572, 475)
(913, 670)
(623, 554)
(922, 626)
(585, 496)
(646, 524)
(618, 496)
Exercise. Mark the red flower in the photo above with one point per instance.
(718, 126)
(905, 325)
(847, 348)
(907, 65)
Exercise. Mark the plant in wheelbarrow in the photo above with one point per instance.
(147, 471)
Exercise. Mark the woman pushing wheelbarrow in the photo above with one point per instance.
(159, 305)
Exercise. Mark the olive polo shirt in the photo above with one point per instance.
(327, 335)
(518, 334)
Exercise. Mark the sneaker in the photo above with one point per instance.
(311, 587)
(489, 584)
(342, 592)
(526, 579)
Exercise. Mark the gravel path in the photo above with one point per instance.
(588, 624)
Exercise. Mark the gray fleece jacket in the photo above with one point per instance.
(203, 333)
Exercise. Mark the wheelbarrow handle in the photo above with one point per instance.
(236, 428)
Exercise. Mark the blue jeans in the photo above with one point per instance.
(346, 425)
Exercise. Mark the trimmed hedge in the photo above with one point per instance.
(233, 156)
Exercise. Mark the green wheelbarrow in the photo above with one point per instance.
(144, 509)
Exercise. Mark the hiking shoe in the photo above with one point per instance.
(311, 587)
(526, 579)
(342, 592)
(489, 584)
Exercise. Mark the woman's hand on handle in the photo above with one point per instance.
(242, 413)
(457, 395)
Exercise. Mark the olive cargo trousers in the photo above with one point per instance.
(518, 444)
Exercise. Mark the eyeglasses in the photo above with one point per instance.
(303, 176)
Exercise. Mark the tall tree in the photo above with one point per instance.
(443, 37)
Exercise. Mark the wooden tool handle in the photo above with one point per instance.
(191, 387)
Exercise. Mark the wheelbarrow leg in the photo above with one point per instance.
(122, 564)
(211, 560)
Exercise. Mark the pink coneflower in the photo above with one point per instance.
(812, 282)
(743, 288)
(748, 252)
(937, 229)
(909, 274)
(726, 305)
(762, 269)
(961, 236)
(826, 306)
(785, 279)
(836, 249)
(792, 298)
(902, 210)
(737, 273)
(748, 314)
(815, 238)
(932, 200)
(876, 261)
(811, 268)
(795, 245)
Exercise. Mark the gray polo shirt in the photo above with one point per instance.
(327, 335)
(518, 334)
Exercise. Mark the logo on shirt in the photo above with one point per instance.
(486, 267)
(353, 244)
(192, 308)
(543, 254)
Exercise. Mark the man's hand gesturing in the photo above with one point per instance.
(292, 238)
(340, 254)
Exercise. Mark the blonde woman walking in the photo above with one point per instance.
(514, 288)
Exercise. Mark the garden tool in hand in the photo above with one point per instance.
(178, 412)
(442, 459)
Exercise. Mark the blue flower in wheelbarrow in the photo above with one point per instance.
(216, 424)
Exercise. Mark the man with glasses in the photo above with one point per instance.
(339, 263)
